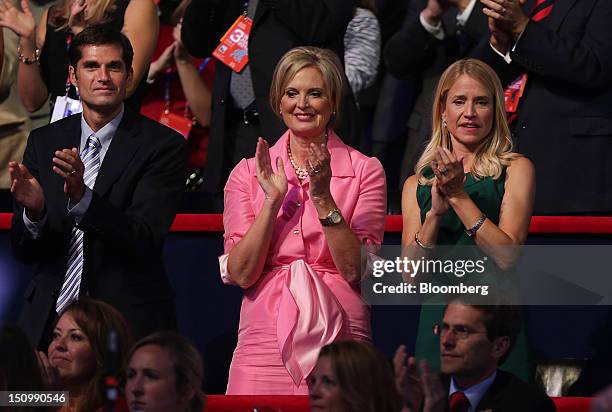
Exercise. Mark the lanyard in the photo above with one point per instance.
(167, 96)
(68, 83)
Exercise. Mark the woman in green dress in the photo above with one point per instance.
(468, 187)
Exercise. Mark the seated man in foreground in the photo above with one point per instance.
(475, 340)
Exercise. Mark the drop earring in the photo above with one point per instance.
(444, 124)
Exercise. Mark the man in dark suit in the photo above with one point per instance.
(435, 34)
(564, 117)
(95, 197)
(240, 106)
(474, 341)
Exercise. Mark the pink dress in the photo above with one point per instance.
(300, 302)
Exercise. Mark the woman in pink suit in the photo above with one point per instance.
(296, 217)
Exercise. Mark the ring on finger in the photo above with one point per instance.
(72, 172)
(443, 170)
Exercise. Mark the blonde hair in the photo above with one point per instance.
(495, 151)
(97, 12)
(324, 60)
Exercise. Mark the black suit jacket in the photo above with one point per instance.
(278, 26)
(134, 201)
(565, 115)
(414, 53)
(507, 393)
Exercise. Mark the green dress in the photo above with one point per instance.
(487, 193)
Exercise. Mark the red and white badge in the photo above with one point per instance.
(233, 50)
(514, 92)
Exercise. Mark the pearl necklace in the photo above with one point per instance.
(301, 172)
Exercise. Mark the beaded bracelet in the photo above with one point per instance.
(471, 232)
(28, 60)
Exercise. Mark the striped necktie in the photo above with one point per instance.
(241, 84)
(72, 280)
(541, 9)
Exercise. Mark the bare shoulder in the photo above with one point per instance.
(136, 6)
(520, 167)
(139, 11)
(410, 185)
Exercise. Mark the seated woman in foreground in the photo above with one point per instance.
(164, 373)
(79, 358)
(352, 376)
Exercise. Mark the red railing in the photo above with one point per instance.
(590, 225)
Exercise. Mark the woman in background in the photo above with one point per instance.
(352, 376)
(179, 93)
(43, 49)
(19, 369)
(90, 340)
(164, 373)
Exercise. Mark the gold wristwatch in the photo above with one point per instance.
(334, 217)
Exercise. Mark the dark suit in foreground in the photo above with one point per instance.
(508, 393)
(134, 201)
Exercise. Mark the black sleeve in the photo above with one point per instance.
(25, 248)
(314, 22)
(205, 22)
(580, 54)
(409, 51)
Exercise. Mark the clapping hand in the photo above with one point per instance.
(507, 14)
(499, 39)
(434, 10)
(162, 63)
(435, 395)
(26, 190)
(319, 161)
(68, 164)
(439, 202)
(420, 388)
(407, 380)
(21, 21)
(50, 374)
(449, 172)
(180, 53)
(274, 184)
